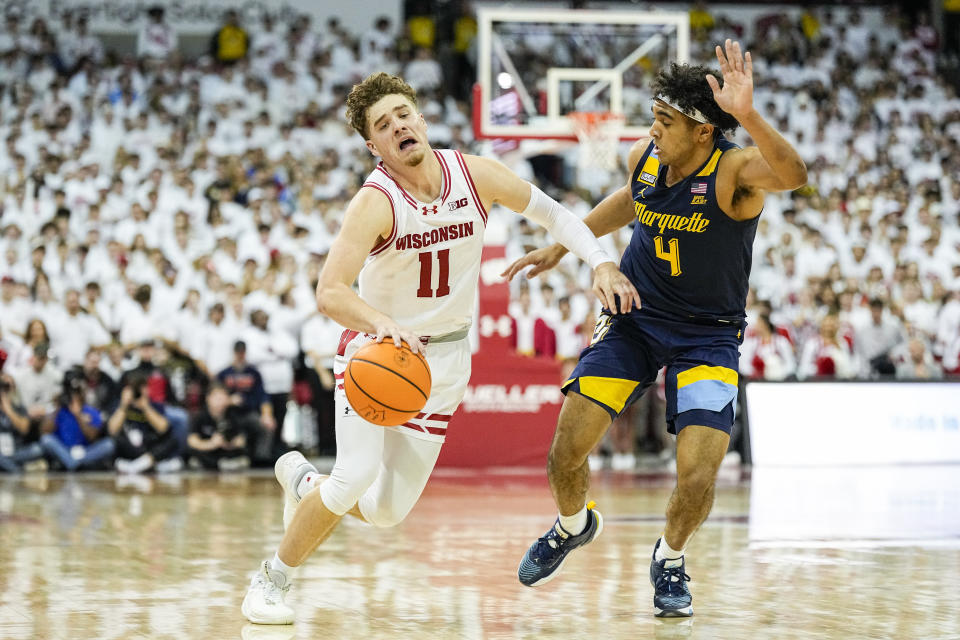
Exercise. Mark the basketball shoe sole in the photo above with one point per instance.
(289, 470)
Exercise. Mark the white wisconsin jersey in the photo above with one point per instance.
(424, 275)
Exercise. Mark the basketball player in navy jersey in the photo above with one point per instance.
(695, 198)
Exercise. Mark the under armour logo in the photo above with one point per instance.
(431, 209)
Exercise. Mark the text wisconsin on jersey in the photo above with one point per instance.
(434, 236)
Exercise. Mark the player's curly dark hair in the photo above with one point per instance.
(367, 93)
(686, 86)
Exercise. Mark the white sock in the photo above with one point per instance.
(673, 557)
(575, 524)
(280, 573)
(306, 483)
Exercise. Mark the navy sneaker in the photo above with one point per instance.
(671, 596)
(545, 557)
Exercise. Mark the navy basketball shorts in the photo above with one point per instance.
(626, 353)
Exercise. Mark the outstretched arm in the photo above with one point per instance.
(496, 183)
(613, 212)
(773, 165)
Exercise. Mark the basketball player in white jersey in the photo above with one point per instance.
(413, 234)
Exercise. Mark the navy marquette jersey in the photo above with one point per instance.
(687, 258)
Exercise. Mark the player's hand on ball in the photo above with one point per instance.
(609, 284)
(541, 259)
(400, 336)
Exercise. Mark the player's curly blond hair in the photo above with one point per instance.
(366, 94)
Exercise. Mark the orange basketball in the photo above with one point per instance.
(386, 385)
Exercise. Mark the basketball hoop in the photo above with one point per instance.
(599, 136)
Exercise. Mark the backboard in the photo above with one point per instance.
(535, 66)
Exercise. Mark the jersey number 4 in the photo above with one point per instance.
(426, 274)
(672, 256)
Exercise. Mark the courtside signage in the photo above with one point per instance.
(868, 423)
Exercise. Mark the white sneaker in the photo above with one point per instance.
(623, 462)
(264, 603)
(233, 464)
(290, 469)
(170, 465)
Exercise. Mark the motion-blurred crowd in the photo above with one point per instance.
(163, 222)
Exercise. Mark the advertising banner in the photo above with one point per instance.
(510, 410)
(855, 423)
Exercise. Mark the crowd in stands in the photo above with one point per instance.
(163, 222)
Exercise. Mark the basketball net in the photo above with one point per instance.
(599, 136)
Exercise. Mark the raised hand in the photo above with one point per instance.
(736, 96)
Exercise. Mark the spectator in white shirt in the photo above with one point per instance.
(423, 73)
(157, 39)
(766, 354)
(272, 351)
(918, 364)
(140, 321)
(875, 338)
(569, 332)
(320, 340)
(917, 311)
(38, 384)
(76, 333)
(214, 341)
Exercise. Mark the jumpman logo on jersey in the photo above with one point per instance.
(431, 209)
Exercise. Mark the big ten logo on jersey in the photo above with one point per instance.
(457, 204)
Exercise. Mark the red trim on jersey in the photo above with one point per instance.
(473, 187)
(393, 211)
(406, 196)
(345, 338)
(338, 376)
(446, 177)
(439, 417)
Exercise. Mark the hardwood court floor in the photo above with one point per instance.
(98, 557)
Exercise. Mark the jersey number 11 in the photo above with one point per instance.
(426, 274)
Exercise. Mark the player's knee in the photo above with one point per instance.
(696, 479)
(344, 487)
(386, 515)
(564, 458)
